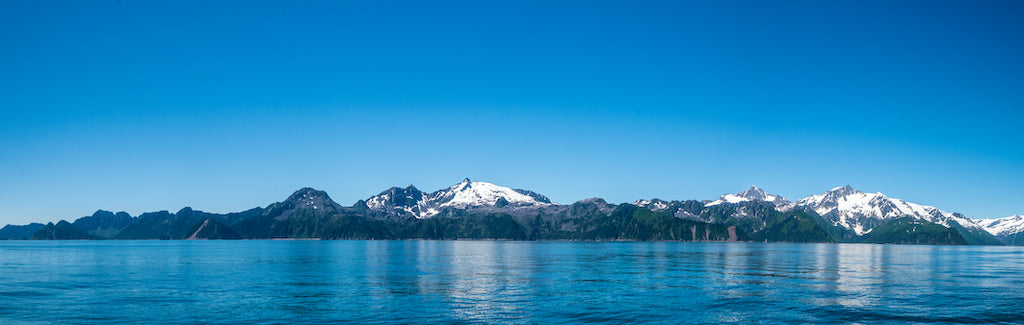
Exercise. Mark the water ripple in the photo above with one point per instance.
(469, 282)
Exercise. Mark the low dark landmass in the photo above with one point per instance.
(62, 230)
(20, 232)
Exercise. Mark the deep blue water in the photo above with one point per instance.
(505, 282)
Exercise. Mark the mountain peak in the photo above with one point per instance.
(469, 193)
(405, 199)
(1003, 226)
(594, 200)
(310, 198)
(465, 194)
(308, 192)
(752, 194)
(862, 212)
(844, 190)
(655, 204)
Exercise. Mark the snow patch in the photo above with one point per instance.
(751, 194)
(466, 194)
(1002, 226)
(849, 208)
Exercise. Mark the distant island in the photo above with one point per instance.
(481, 210)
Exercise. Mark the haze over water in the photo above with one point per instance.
(498, 281)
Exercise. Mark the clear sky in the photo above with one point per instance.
(224, 106)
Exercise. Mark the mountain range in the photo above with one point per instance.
(482, 210)
(1010, 229)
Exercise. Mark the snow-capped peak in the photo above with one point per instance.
(655, 204)
(465, 194)
(844, 190)
(469, 193)
(1002, 226)
(751, 194)
(404, 199)
(861, 212)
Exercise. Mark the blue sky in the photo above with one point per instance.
(224, 106)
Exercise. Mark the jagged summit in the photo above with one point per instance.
(464, 184)
(844, 190)
(308, 192)
(751, 194)
(397, 199)
(653, 204)
(755, 194)
(469, 193)
(1003, 226)
(594, 200)
(310, 198)
(104, 214)
(835, 196)
(861, 212)
(103, 223)
(465, 194)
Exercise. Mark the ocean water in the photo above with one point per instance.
(505, 282)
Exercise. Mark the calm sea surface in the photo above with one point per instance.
(505, 282)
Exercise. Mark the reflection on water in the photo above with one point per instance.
(858, 275)
(496, 281)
